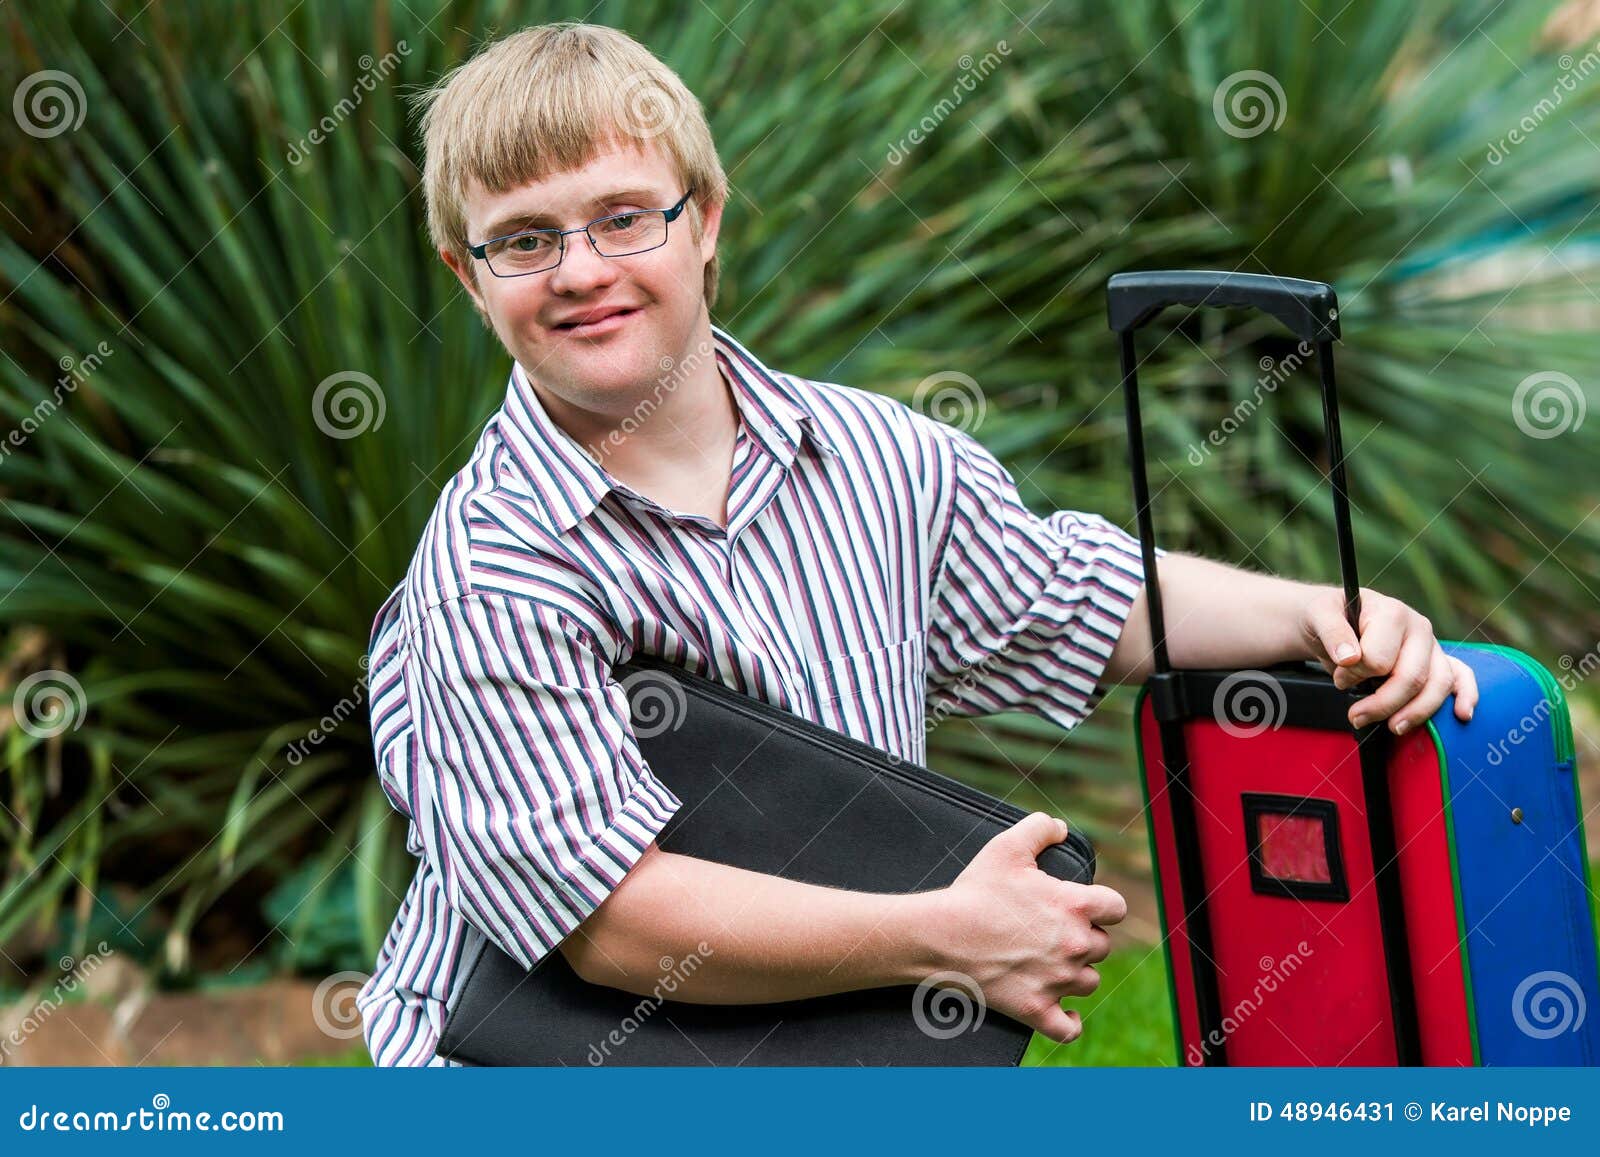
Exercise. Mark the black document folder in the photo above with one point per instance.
(763, 789)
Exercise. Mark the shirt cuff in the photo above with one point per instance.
(1116, 574)
(611, 854)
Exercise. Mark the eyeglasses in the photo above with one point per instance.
(619, 235)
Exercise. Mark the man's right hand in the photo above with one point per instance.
(1026, 938)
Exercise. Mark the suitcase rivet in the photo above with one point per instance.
(1516, 815)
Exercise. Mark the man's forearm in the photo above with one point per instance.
(752, 937)
(1216, 616)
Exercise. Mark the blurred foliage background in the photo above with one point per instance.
(183, 267)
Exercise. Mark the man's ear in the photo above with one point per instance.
(465, 272)
(710, 226)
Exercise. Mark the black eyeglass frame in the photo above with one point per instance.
(480, 251)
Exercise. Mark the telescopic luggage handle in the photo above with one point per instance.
(1310, 311)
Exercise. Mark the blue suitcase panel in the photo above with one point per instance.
(1523, 868)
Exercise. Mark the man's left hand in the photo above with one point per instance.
(1395, 641)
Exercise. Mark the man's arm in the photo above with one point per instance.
(1024, 937)
(737, 936)
(1225, 617)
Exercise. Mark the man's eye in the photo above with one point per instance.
(529, 244)
(623, 222)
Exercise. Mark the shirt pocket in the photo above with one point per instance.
(876, 696)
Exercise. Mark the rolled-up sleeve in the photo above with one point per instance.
(1026, 610)
(530, 793)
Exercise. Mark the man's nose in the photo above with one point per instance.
(582, 268)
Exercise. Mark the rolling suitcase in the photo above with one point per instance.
(1333, 896)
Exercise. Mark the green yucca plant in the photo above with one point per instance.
(191, 526)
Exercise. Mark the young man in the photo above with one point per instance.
(649, 484)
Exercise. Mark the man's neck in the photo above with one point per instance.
(671, 439)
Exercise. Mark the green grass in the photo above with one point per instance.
(355, 1057)
(1128, 1020)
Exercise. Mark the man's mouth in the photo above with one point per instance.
(606, 322)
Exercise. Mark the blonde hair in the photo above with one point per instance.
(549, 99)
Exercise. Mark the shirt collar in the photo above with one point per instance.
(570, 483)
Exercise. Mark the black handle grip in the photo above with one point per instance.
(1308, 309)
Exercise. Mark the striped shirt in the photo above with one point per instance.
(877, 570)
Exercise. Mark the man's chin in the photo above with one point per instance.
(603, 374)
